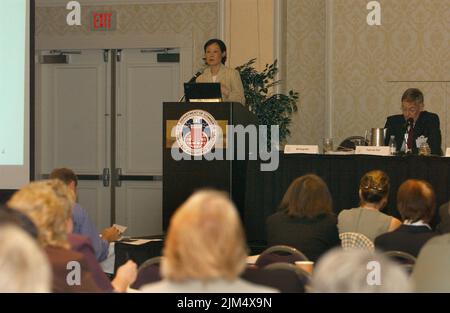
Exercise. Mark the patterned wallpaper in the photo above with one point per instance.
(305, 68)
(369, 64)
(196, 20)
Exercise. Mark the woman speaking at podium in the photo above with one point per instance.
(217, 72)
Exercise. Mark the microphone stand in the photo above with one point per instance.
(192, 80)
(408, 150)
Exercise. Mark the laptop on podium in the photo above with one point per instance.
(202, 92)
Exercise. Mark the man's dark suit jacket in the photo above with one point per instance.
(427, 125)
(406, 238)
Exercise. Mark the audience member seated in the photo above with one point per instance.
(48, 204)
(444, 216)
(305, 220)
(23, 265)
(367, 218)
(82, 224)
(205, 249)
(416, 204)
(358, 271)
(432, 271)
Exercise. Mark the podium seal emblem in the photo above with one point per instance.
(196, 132)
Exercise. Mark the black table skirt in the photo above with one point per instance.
(264, 190)
(138, 253)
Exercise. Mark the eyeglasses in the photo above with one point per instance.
(411, 109)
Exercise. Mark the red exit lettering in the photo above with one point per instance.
(101, 20)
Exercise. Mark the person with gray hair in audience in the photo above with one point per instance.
(431, 272)
(24, 267)
(358, 271)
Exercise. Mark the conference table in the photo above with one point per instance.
(264, 190)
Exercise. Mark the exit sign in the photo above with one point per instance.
(103, 20)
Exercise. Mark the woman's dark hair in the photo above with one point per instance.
(416, 201)
(374, 186)
(221, 44)
(10, 216)
(307, 196)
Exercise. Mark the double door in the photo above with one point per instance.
(99, 112)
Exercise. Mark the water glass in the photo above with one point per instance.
(424, 149)
(327, 145)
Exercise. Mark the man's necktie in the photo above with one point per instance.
(410, 138)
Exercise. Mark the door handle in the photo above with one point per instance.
(106, 177)
(117, 177)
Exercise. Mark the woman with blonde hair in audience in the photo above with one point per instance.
(205, 249)
(48, 203)
(367, 218)
(306, 220)
(23, 265)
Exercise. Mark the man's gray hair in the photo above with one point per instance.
(357, 270)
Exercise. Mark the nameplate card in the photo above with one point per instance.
(447, 152)
(306, 149)
(381, 151)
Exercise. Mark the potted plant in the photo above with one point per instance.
(269, 108)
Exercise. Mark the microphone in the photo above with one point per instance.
(195, 76)
(192, 80)
(410, 122)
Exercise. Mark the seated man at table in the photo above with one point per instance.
(415, 124)
(82, 224)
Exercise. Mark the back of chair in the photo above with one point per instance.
(148, 272)
(351, 240)
(406, 260)
(401, 257)
(280, 253)
(280, 279)
(303, 276)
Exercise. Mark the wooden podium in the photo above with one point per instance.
(181, 178)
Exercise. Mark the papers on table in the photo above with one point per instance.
(251, 259)
(138, 241)
(120, 228)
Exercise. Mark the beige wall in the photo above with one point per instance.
(305, 68)
(149, 24)
(248, 27)
(249, 31)
(371, 63)
(369, 67)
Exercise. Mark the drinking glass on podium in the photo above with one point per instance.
(327, 145)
